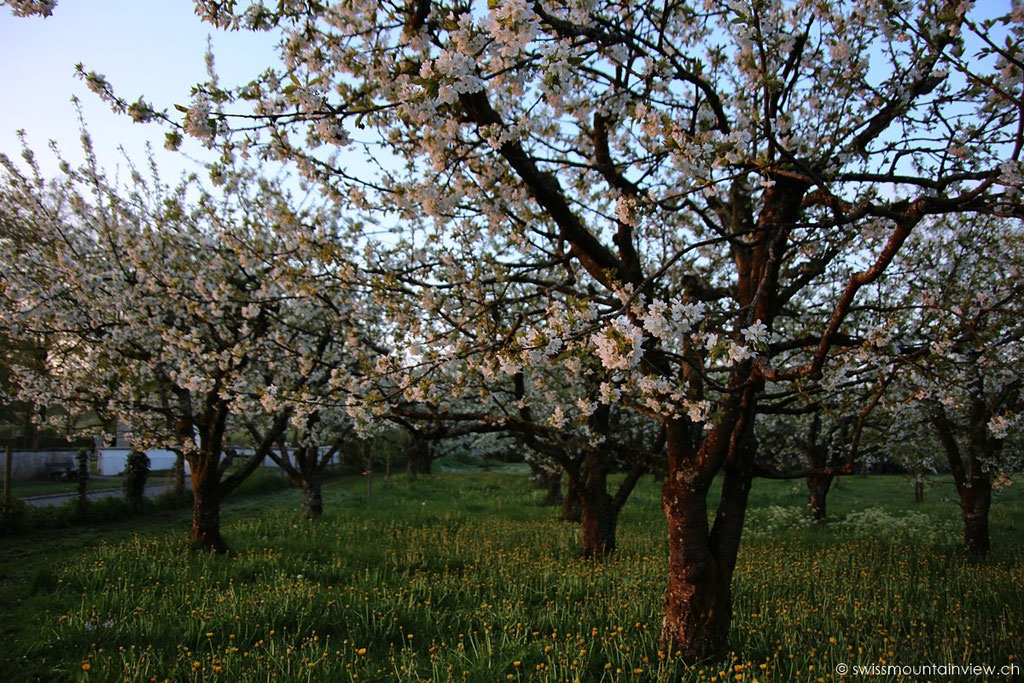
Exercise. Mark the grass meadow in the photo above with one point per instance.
(469, 577)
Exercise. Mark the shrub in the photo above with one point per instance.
(13, 515)
(136, 472)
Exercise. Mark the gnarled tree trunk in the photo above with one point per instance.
(599, 517)
(973, 484)
(975, 501)
(419, 459)
(210, 481)
(312, 496)
(698, 599)
(553, 486)
(305, 467)
(818, 486)
(311, 468)
(572, 505)
(206, 506)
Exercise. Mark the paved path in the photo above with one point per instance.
(58, 498)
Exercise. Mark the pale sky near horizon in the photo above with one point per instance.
(153, 48)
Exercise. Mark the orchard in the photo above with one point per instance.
(714, 242)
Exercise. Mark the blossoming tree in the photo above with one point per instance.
(491, 353)
(694, 169)
(171, 310)
(961, 337)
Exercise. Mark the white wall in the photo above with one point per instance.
(111, 461)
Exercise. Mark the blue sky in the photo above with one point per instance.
(144, 47)
(153, 48)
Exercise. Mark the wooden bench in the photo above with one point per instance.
(61, 471)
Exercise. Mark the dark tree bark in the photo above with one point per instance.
(818, 486)
(308, 473)
(572, 506)
(918, 491)
(306, 464)
(305, 467)
(599, 517)
(701, 562)
(31, 431)
(206, 519)
(210, 482)
(312, 496)
(698, 599)
(600, 510)
(209, 489)
(824, 464)
(973, 484)
(975, 502)
(207, 495)
(419, 459)
(553, 486)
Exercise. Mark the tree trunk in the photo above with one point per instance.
(553, 485)
(598, 525)
(975, 501)
(599, 514)
(972, 484)
(312, 498)
(206, 499)
(206, 521)
(572, 506)
(818, 486)
(698, 600)
(418, 460)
